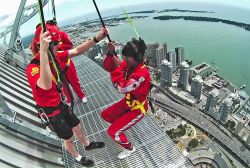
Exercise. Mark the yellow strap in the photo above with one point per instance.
(139, 106)
(136, 104)
(54, 79)
(68, 63)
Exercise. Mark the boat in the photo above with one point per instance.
(243, 87)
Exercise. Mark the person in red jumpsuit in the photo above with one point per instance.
(66, 44)
(41, 74)
(130, 77)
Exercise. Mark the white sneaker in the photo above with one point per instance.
(84, 100)
(126, 153)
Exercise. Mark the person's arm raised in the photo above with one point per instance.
(45, 80)
(88, 44)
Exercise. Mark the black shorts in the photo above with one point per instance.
(64, 122)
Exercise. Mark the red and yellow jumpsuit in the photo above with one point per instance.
(71, 73)
(135, 84)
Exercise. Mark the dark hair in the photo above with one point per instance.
(39, 24)
(51, 22)
(135, 48)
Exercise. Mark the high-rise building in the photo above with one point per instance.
(99, 48)
(159, 56)
(172, 59)
(196, 87)
(212, 100)
(93, 52)
(104, 47)
(180, 55)
(224, 109)
(166, 74)
(165, 46)
(184, 75)
(151, 54)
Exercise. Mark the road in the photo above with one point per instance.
(233, 145)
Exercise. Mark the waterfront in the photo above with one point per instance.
(226, 45)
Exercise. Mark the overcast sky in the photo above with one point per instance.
(72, 8)
(67, 9)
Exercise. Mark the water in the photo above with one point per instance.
(227, 45)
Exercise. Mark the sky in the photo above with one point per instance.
(72, 8)
(67, 9)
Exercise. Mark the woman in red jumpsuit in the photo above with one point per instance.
(41, 74)
(64, 45)
(130, 77)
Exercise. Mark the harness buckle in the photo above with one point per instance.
(45, 119)
(43, 116)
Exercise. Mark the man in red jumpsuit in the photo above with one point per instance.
(130, 77)
(72, 77)
(42, 75)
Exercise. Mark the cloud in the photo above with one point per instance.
(61, 2)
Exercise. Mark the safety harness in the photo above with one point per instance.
(134, 104)
(60, 80)
(46, 112)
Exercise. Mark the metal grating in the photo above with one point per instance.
(18, 104)
(154, 147)
(15, 89)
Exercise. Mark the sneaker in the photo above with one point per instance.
(86, 162)
(126, 153)
(84, 100)
(95, 145)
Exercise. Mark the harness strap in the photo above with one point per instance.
(58, 83)
(47, 112)
(136, 104)
(139, 106)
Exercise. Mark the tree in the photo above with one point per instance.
(232, 124)
(193, 143)
(227, 124)
(180, 126)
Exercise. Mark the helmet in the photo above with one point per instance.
(53, 31)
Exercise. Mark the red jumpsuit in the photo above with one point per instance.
(71, 72)
(135, 84)
(41, 95)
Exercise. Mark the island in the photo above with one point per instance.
(205, 19)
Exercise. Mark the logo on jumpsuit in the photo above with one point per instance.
(34, 71)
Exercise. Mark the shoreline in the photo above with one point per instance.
(205, 19)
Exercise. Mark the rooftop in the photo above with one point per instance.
(154, 147)
(200, 67)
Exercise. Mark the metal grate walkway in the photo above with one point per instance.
(154, 148)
